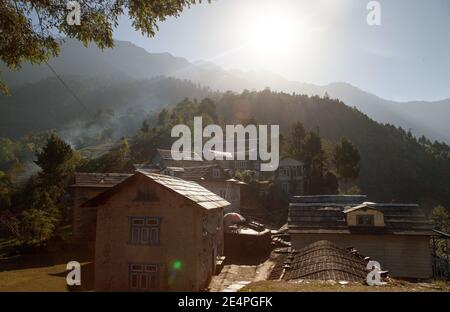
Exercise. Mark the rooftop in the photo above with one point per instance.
(191, 190)
(85, 179)
(321, 260)
(337, 199)
(329, 216)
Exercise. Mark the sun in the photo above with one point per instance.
(273, 33)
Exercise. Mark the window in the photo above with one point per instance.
(216, 173)
(365, 220)
(285, 187)
(241, 164)
(145, 194)
(284, 172)
(299, 171)
(144, 230)
(143, 276)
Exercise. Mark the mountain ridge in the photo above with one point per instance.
(129, 61)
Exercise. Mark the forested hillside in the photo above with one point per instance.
(395, 166)
(105, 107)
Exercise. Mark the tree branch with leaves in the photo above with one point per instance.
(32, 30)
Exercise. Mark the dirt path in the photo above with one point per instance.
(234, 276)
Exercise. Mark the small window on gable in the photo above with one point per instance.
(365, 220)
(145, 194)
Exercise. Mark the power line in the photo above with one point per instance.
(68, 88)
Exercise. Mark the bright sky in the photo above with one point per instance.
(407, 57)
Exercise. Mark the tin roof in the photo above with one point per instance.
(330, 217)
(321, 260)
(85, 179)
(191, 190)
(365, 205)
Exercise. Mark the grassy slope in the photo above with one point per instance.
(41, 271)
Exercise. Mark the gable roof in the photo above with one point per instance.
(87, 179)
(321, 260)
(328, 217)
(363, 206)
(190, 190)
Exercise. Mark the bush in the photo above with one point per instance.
(36, 226)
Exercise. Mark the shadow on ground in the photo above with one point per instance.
(246, 259)
(46, 256)
(87, 278)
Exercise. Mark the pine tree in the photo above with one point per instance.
(346, 159)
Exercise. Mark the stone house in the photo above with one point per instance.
(157, 233)
(396, 235)
(86, 186)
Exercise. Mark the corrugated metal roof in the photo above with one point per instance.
(316, 217)
(189, 189)
(85, 179)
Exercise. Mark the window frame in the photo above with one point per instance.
(150, 275)
(362, 217)
(145, 195)
(285, 187)
(145, 233)
(216, 173)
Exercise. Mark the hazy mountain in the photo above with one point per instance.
(127, 61)
(423, 118)
(107, 109)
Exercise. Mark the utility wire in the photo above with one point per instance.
(68, 88)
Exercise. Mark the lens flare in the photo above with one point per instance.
(177, 265)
